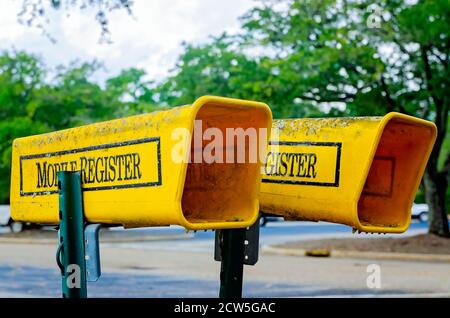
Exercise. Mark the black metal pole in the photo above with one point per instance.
(232, 265)
(71, 255)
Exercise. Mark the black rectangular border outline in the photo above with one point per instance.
(93, 148)
(338, 146)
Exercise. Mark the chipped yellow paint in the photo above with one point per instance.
(129, 177)
(363, 172)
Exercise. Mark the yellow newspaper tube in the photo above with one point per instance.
(362, 172)
(129, 175)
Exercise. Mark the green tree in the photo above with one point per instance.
(223, 68)
(132, 91)
(71, 100)
(373, 58)
(20, 77)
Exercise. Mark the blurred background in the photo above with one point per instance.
(64, 63)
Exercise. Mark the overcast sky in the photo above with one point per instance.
(151, 39)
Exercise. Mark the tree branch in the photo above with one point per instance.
(426, 111)
(430, 87)
(444, 61)
(446, 168)
(391, 102)
(345, 99)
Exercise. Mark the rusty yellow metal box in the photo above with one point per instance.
(130, 175)
(362, 172)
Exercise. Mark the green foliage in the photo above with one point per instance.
(223, 68)
(134, 93)
(310, 58)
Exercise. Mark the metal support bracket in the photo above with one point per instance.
(251, 243)
(92, 252)
(234, 248)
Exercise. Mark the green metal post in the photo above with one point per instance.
(232, 266)
(70, 256)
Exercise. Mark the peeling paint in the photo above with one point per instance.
(313, 126)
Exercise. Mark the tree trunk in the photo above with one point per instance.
(435, 191)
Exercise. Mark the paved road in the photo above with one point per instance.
(17, 281)
(185, 268)
(272, 233)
